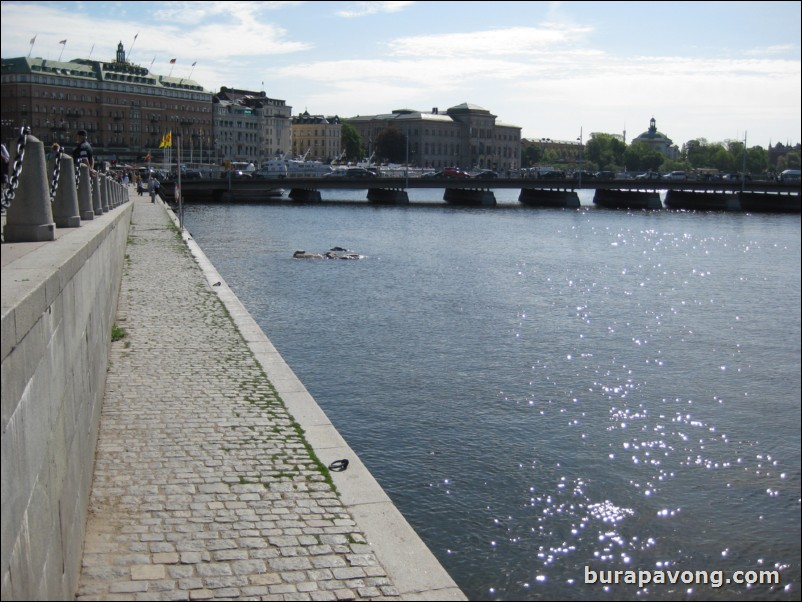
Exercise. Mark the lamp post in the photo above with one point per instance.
(581, 149)
(406, 171)
(743, 170)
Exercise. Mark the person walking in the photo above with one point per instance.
(153, 188)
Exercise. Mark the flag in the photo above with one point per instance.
(172, 61)
(195, 63)
(33, 39)
(63, 42)
(161, 144)
(168, 141)
(147, 157)
(136, 36)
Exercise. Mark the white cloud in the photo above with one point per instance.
(496, 42)
(363, 9)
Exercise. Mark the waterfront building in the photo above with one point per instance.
(465, 136)
(658, 141)
(559, 151)
(126, 109)
(251, 127)
(316, 137)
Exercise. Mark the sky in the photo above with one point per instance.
(561, 70)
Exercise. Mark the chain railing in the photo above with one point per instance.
(13, 183)
(56, 174)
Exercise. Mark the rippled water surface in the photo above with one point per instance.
(541, 391)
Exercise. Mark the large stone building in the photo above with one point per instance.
(126, 109)
(465, 136)
(658, 141)
(316, 137)
(251, 127)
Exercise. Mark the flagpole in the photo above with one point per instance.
(91, 51)
(63, 46)
(131, 49)
(192, 70)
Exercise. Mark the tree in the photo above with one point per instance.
(391, 145)
(351, 142)
(789, 161)
(531, 152)
(606, 151)
(641, 157)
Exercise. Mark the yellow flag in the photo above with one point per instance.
(169, 140)
(161, 144)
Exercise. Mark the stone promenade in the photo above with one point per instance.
(206, 485)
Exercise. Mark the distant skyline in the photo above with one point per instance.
(708, 70)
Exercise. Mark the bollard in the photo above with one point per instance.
(65, 205)
(30, 216)
(97, 203)
(85, 194)
(104, 193)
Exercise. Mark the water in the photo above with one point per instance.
(541, 391)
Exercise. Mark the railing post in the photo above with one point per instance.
(65, 205)
(104, 193)
(97, 203)
(85, 193)
(29, 218)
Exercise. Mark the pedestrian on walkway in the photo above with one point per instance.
(153, 188)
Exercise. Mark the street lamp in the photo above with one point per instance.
(581, 148)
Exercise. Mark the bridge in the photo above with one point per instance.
(689, 194)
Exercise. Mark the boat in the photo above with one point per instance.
(283, 167)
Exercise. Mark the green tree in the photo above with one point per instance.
(606, 151)
(757, 160)
(351, 142)
(531, 153)
(640, 156)
(789, 160)
(391, 145)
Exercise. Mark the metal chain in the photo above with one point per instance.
(56, 174)
(11, 189)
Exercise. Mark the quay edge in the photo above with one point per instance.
(414, 570)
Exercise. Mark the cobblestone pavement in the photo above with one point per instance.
(204, 486)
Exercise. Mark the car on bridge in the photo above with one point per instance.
(789, 175)
(455, 172)
(676, 175)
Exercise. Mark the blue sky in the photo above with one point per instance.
(711, 70)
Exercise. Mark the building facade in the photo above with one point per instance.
(316, 137)
(249, 126)
(658, 141)
(125, 109)
(465, 136)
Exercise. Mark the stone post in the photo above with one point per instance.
(104, 193)
(30, 216)
(65, 205)
(85, 194)
(97, 203)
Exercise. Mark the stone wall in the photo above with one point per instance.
(59, 300)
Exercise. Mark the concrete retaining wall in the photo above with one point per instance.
(59, 300)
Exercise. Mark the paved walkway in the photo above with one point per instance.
(204, 485)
